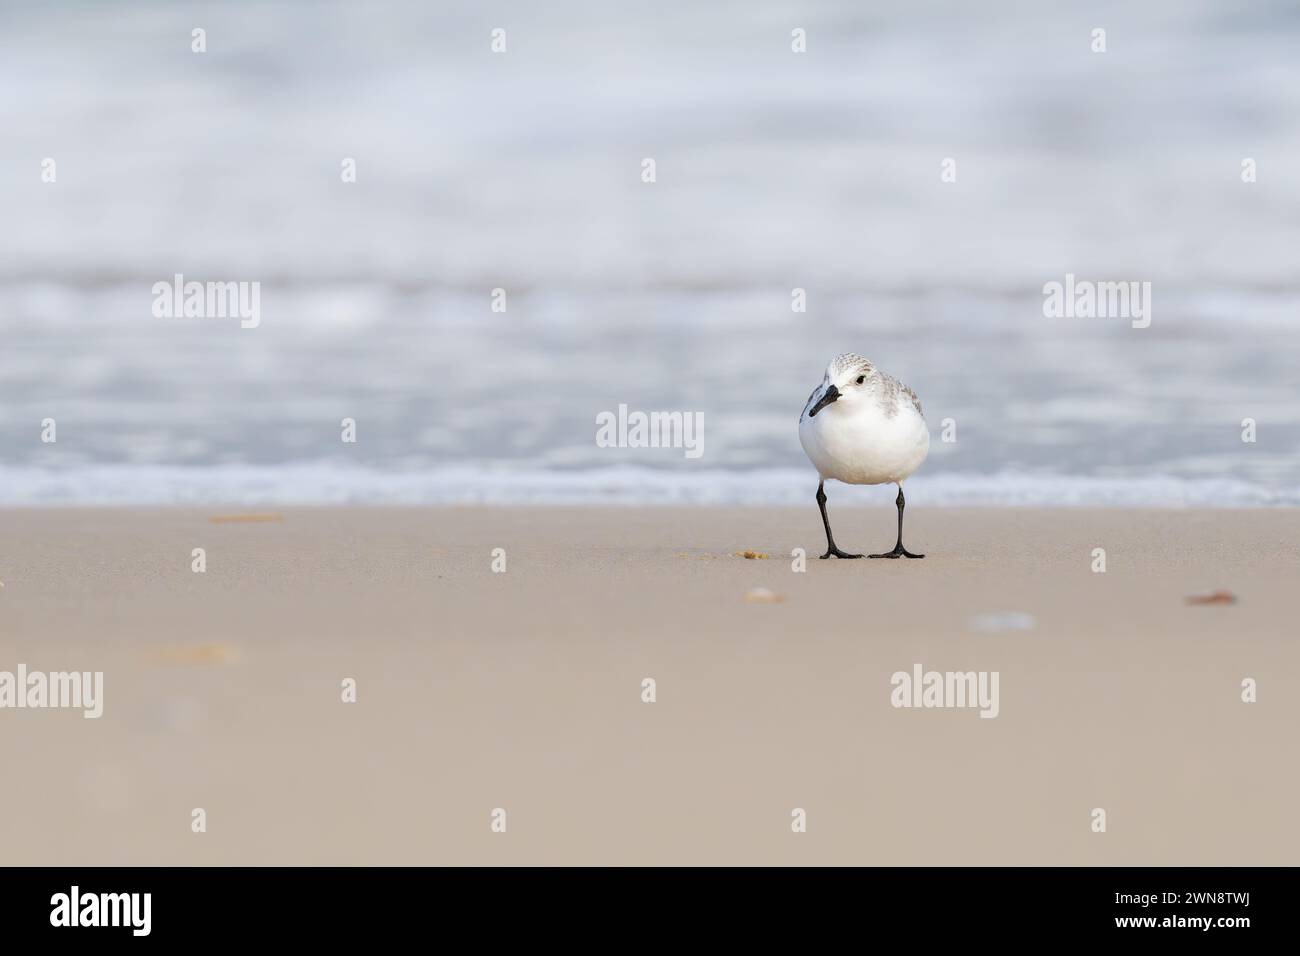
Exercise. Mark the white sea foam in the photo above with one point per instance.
(776, 170)
(316, 484)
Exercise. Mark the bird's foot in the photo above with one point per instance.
(898, 552)
(836, 552)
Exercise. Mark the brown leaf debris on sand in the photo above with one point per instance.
(1213, 597)
(245, 519)
(198, 654)
(763, 596)
(751, 555)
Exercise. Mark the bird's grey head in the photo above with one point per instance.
(847, 379)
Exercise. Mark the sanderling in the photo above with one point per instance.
(863, 427)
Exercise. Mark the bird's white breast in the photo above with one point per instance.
(862, 444)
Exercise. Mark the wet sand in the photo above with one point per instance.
(522, 690)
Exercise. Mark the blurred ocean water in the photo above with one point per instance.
(521, 171)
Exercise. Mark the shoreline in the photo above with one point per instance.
(334, 484)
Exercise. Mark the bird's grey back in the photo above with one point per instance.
(892, 391)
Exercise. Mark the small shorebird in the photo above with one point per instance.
(863, 427)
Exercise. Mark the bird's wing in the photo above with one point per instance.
(916, 402)
(895, 391)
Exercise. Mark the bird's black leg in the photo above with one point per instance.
(830, 540)
(899, 551)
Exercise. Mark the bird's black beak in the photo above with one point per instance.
(832, 393)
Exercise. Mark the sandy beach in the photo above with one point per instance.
(522, 690)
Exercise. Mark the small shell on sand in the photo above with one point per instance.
(763, 596)
(1002, 621)
(751, 555)
(1213, 597)
(198, 654)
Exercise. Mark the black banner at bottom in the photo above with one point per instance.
(335, 905)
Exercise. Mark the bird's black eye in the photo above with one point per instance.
(861, 379)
